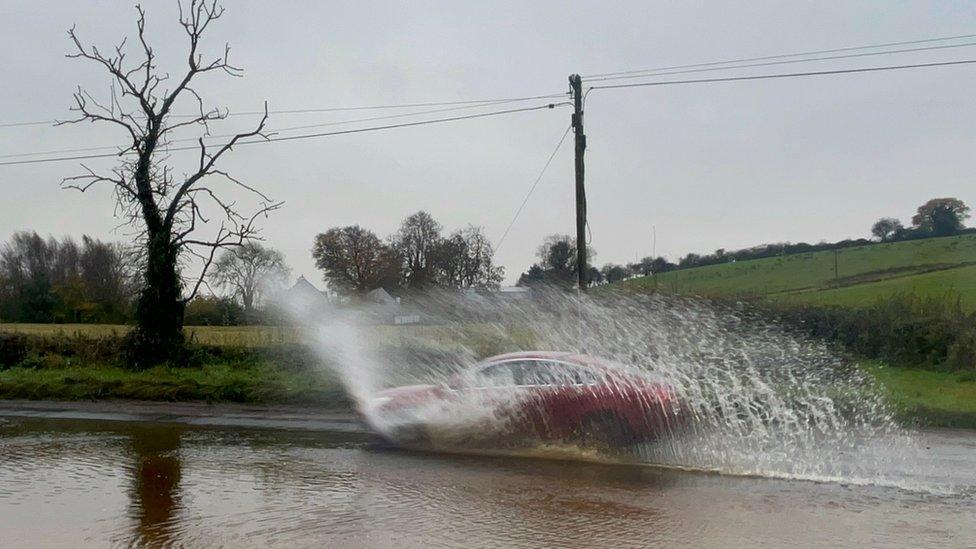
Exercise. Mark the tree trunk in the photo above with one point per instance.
(158, 336)
(248, 298)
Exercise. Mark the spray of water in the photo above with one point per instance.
(763, 401)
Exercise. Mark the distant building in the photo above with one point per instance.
(381, 297)
(303, 298)
(514, 293)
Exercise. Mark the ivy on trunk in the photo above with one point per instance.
(176, 217)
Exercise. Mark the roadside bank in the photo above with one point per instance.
(190, 413)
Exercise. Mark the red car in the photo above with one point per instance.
(543, 396)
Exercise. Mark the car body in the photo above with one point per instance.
(546, 396)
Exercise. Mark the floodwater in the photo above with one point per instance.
(70, 482)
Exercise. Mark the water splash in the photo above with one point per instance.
(765, 401)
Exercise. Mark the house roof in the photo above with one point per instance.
(305, 289)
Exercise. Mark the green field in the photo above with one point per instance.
(929, 267)
(924, 397)
(238, 336)
(483, 339)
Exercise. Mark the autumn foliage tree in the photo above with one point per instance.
(169, 208)
(941, 216)
(354, 260)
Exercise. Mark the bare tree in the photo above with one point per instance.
(167, 209)
(466, 260)
(250, 271)
(416, 243)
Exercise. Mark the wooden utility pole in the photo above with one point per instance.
(576, 84)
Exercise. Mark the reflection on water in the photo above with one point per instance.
(71, 483)
(155, 497)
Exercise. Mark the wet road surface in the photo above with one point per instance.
(68, 481)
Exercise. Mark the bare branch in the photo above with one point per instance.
(164, 210)
(207, 162)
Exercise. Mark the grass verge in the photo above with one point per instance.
(81, 367)
(244, 383)
(928, 398)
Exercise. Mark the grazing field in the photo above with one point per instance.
(929, 267)
(959, 282)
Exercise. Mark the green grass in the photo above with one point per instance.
(959, 282)
(925, 267)
(256, 383)
(236, 336)
(925, 397)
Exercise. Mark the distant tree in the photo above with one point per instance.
(690, 260)
(250, 272)
(209, 310)
(643, 267)
(594, 276)
(613, 273)
(466, 260)
(557, 261)
(885, 228)
(416, 244)
(941, 216)
(661, 265)
(26, 268)
(43, 280)
(355, 260)
(109, 274)
(535, 275)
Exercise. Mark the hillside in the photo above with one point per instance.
(932, 266)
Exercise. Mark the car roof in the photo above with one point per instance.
(565, 356)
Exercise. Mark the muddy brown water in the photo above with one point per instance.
(72, 482)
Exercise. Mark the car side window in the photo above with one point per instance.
(540, 372)
(571, 374)
(582, 376)
(546, 372)
(501, 374)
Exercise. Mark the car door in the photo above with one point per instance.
(565, 392)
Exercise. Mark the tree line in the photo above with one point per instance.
(51, 280)
(355, 261)
(46, 280)
(557, 255)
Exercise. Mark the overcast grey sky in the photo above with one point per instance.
(711, 166)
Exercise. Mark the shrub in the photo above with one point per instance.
(13, 349)
(934, 333)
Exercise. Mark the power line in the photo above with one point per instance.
(331, 109)
(534, 185)
(291, 128)
(304, 136)
(784, 62)
(785, 55)
(784, 75)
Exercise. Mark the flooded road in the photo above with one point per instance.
(84, 482)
